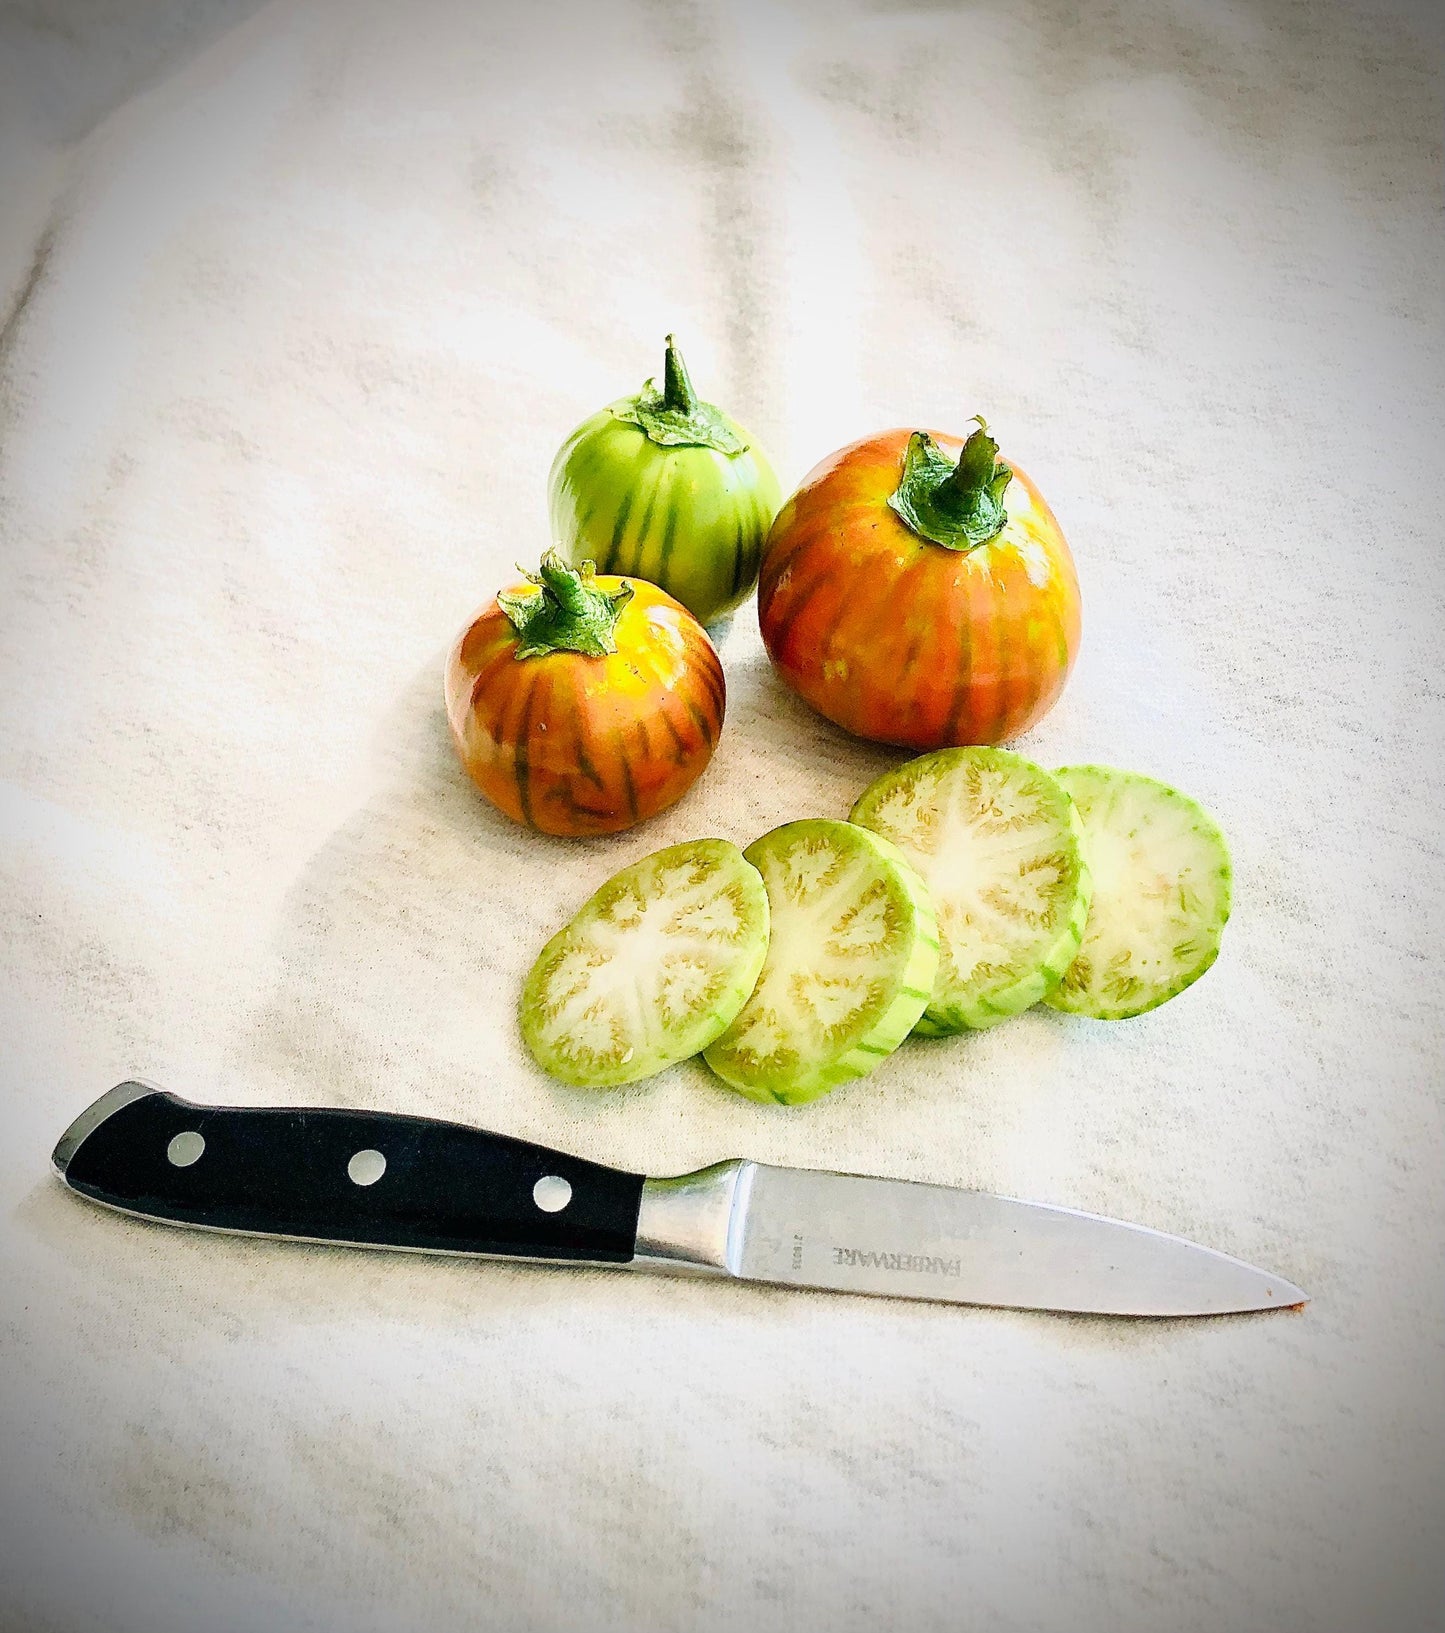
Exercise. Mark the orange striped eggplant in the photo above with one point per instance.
(918, 591)
(584, 704)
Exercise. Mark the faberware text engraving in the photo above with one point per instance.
(921, 1263)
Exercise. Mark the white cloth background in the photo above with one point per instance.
(302, 296)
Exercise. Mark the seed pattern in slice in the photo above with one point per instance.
(1161, 894)
(652, 969)
(997, 841)
(851, 956)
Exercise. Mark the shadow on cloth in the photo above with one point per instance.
(404, 940)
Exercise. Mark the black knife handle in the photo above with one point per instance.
(367, 1178)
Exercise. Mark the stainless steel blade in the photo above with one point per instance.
(853, 1234)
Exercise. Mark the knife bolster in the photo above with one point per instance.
(692, 1220)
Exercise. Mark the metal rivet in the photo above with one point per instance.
(185, 1149)
(551, 1193)
(366, 1167)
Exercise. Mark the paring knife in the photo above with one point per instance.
(374, 1179)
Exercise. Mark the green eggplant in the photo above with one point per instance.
(665, 487)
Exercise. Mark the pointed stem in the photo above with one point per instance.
(959, 494)
(958, 504)
(562, 584)
(677, 392)
(573, 613)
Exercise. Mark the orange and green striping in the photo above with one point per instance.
(903, 640)
(572, 743)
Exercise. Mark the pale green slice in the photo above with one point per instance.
(1161, 894)
(851, 956)
(651, 970)
(997, 842)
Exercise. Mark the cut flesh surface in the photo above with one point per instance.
(851, 958)
(652, 968)
(997, 842)
(1161, 894)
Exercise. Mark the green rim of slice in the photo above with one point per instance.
(1162, 881)
(996, 840)
(651, 970)
(851, 958)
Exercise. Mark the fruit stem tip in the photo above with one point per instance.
(677, 392)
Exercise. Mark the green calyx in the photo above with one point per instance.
(959, 506)
(676, 417)
(568, 611)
